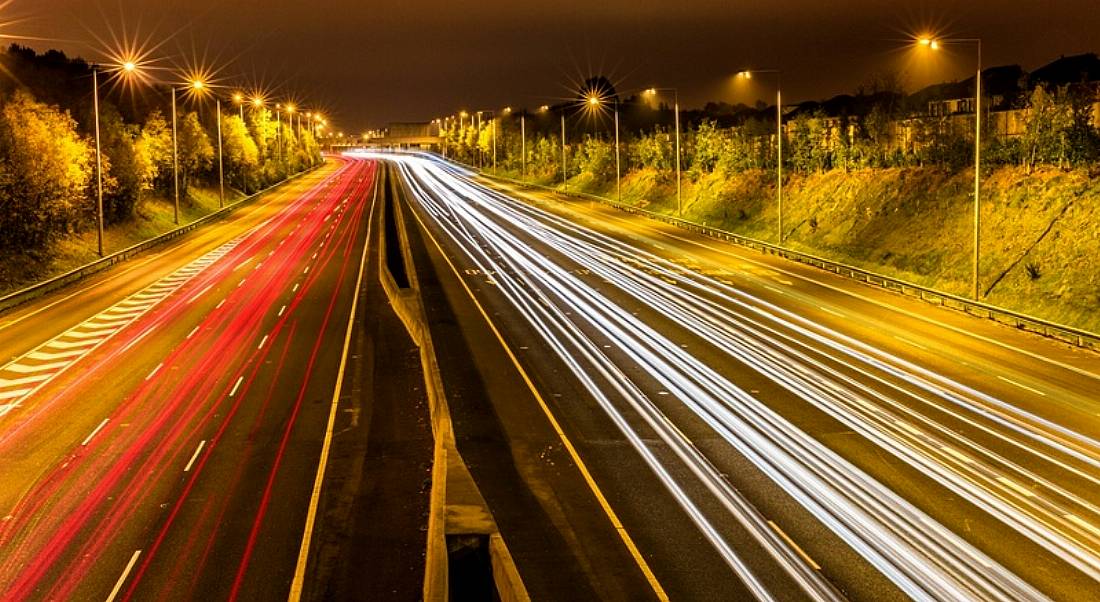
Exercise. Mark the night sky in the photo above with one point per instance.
(373, 62)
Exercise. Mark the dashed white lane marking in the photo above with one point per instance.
(306, 271)
(262, 341)
(193, 331)
(199, 294)
(908, 342)
(1022, 386)
(194, 456)
(122, 578)
(281, 310)
(220, 304)
(236, 386)
(831, 311)
(295, 289)
(93, 433)
(154, 372)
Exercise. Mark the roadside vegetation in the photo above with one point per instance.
(886, 188)
(48, 180)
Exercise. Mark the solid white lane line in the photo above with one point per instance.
(193, 331)
(262, 341)
(199, 294)
(297, 585)
(154, 372)
(194, 456)
(1022, 386)
(93, 433)
(125, 574)
(236, 386)
(281, 310)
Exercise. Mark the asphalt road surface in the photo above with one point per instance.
(687, 419)
(161, 424)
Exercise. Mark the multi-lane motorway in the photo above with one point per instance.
(647, 412)
(161, 425)
(697, 421)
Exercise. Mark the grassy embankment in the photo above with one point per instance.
(1041, 231)
(152, 217)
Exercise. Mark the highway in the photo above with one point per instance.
(692, 420)
(162, 423)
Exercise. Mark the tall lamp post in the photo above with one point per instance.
(594, 100)
(778, 143)
(523, 143)
(676, 111)
(124, 69)
(934, 44)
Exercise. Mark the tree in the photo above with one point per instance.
(45, 173)
(125, 169)
(196, 154)
(242, 156)
(155, 148)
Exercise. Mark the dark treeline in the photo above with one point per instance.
(47, 147)
(1045, 117)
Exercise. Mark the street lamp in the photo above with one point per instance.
(934, 44)
(124, 69)
(595, 100)
(676, 110)
(778, 142)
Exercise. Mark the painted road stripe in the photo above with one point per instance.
(135, 341)
(194, 456)
(42, 355)
(281, 310)
(796, 547)
(1081, 523)
(295, 289)
(154, 372)
(200, 293)
(13, 394)
(831, 311)
(193, 331)
(220, 303)
(24, 369)
(1022, 386)
(26, 380)
(89, 335)
(262, 341)
(1024, 491)
(122, 578)
(57, 344)
(93, 433)
(236, 386)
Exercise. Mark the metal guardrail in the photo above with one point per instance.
(34, 291)
(1061, 332)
